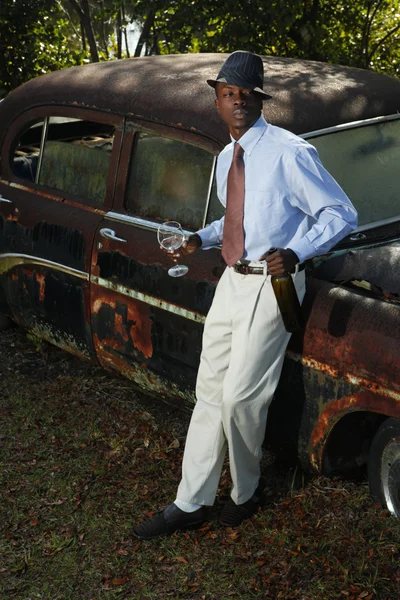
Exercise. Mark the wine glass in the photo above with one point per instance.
(171, 237)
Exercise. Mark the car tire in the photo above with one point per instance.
(384, 466)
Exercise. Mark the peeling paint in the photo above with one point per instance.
(150, 382)
(331, 414)
(132, 322)
(337, 373)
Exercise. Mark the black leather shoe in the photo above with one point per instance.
(233, 515)
(168, 521)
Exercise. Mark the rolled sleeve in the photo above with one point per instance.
(317, 194)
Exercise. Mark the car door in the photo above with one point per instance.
(57, 182)
(145, 323)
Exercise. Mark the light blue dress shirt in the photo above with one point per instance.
(291, 201)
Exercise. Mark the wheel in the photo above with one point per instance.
(384, 466)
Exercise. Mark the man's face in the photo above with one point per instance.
(239, 107)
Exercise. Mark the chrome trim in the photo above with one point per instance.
(42, 143)
(137, 221)
(12, 260)
(376, 224)
(352, 125)
(131, 293)
(5, 200)
(209, 192)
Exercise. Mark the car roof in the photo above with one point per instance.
(172, 90)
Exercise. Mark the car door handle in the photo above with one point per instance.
(110, 235)
(5, 200)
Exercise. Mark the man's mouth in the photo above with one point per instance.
(239, 113)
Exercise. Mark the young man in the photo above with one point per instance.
(277, 195)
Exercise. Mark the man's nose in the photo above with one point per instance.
(240, 98)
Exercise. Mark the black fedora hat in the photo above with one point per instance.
(243, 69)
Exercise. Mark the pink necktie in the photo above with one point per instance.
(233, 236)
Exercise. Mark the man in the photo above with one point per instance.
(277, 195)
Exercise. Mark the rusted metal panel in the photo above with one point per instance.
(331, 415)
(130, 323)
(347, 360)
(306, 95)
(354, 334)
(41, 300)
(142, 342)
(63, 244)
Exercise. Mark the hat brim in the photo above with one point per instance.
(265, 96)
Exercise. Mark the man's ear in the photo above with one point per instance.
(217, 104)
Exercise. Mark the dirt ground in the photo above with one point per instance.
(84, 456)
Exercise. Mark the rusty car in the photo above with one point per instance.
(94, 157)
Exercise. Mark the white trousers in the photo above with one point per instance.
(244, 343)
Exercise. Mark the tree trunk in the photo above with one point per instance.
(83, 36)
(119, 34)
(125, 31)
(144, 36)
(82, 9)
(103, 34)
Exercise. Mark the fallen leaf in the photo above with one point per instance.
(136, 547)
(181, 559)
(34, 522)
(119, 581)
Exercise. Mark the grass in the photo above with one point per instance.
(84, 456)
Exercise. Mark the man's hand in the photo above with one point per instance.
(282, 261)
(187, 247)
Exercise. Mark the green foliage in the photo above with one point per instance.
(34, 39)
(361, 33)
(37, 36)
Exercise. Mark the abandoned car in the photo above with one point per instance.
(93, 158)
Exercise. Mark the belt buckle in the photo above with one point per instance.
(245, 269)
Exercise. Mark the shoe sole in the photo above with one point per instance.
(158, 535)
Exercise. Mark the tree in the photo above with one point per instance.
(34, 39)
(82, 9)
(42, 35)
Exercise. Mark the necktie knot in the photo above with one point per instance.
(237, 151)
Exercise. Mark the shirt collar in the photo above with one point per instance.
(249, 140)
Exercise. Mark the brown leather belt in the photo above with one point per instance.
(248, 270)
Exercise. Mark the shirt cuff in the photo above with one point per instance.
(207, 236)
(304, 249)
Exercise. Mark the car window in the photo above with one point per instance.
(215, 209)
(26, 155)
(69, 155)
(365, 162)
(168, 179)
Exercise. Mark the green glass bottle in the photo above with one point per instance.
(288, 300)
